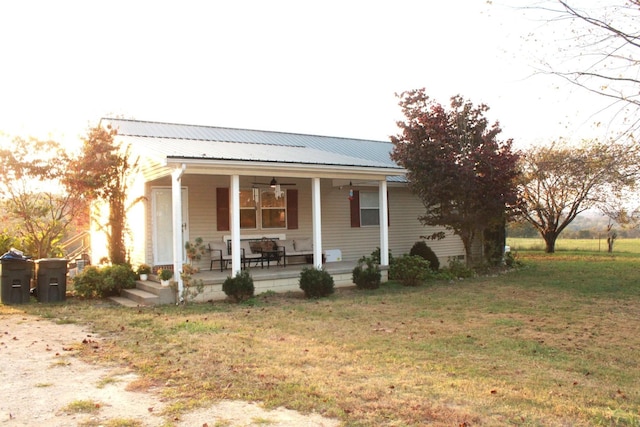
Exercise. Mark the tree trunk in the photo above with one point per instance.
(550, 242)
(610, 241)
(611, 237)
(467, 240)
(116, 224)
(493, 245)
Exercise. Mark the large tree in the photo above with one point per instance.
(560, 181)
(102, 172)
(597, 48)
(39, 210)
(465, 176)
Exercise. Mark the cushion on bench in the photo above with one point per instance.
(303, 245)
(288, 246)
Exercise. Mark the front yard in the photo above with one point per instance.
(553, 343)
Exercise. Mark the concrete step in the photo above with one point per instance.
(147, 292)
(166, 294)
(125, 301)
(141, 297)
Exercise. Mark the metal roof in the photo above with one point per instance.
(207, 142)
(220, 150)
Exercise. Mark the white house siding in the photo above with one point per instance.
(337, 233)
(202, 199)
(404, 227)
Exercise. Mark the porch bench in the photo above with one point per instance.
(296, 248)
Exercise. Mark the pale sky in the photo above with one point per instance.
(319, 67)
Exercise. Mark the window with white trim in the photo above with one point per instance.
(248, 210)
(273, 210)
(369, 209)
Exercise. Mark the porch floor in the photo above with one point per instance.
(273, 272)
(273, 278)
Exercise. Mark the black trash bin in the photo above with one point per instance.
(51, 275)
(15, 278)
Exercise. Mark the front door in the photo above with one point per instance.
(162, 225)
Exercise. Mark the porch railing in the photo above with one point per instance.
(77, 245)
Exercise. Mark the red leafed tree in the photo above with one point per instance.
(465, 177)
(102, 172)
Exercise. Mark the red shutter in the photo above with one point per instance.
(355, 209)
(222, 209)
(292, 209)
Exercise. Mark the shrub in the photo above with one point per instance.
(88, 282)
(195, 250)
(105, 281)
(191, 287)
(421, 249)
(411, 270)
(117, 278)
(511, 259)
(376, 256)
(240, 287)
(369, 277)
(457, 270)
(316, 283)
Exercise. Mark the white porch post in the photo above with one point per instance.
(317, 223)
(176, 205)
(236, 261)
(384, 223)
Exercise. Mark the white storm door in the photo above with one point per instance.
(162, 227)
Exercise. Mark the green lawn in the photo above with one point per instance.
(595, 245)
(554, 343)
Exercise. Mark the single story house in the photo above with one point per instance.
(342, 197)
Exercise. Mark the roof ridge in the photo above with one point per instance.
(242, 129)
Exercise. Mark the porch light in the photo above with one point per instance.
(273, 183)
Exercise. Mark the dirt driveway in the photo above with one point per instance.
(40, 378)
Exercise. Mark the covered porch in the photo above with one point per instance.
(276, 278)
(230, 186)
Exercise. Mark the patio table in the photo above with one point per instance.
(273, 255)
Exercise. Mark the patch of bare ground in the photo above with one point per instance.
(42, 383)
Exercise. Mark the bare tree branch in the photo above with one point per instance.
(600, 51)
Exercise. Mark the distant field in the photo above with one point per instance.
(595, 245)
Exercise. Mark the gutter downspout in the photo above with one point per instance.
(178, 227)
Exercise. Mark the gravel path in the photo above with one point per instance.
(41, 377)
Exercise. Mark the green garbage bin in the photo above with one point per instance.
(15, 278)
(51, 276)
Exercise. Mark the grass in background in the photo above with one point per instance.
(553, 343)
(591, 245)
